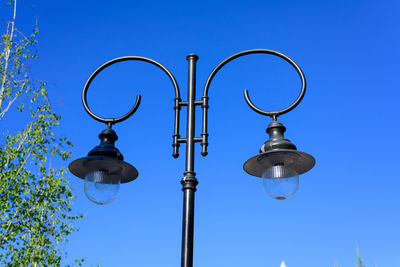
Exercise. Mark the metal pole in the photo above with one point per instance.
(189, 180)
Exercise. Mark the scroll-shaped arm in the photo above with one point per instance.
(273, 114)
(111, 121)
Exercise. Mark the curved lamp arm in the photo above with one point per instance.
(111, 121)
(273, 114)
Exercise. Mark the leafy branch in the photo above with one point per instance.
(35, 200)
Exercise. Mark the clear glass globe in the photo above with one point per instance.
(280, 182)
(100, 188)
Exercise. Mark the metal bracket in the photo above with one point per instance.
(112, 121)
(273, 114)
(203, 102)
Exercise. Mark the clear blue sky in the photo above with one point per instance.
(349, 121)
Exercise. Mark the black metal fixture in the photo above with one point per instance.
(103, 169)
(278, 163)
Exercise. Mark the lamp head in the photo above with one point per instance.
(279, 163)
(103, 169)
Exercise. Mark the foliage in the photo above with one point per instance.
(359, 261)
(35, 200)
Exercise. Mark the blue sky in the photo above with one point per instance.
(348, 121)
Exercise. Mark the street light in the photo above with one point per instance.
(278, 162)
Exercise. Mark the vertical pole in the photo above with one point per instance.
(189, 180)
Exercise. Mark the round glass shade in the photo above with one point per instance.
(100, 188)
(298, 161)
(116, 168)
(280, 181)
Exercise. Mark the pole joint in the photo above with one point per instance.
(189, 181)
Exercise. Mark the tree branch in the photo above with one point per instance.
(7, 54)
(3, 112)
(25, 136)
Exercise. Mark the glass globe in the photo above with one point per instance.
(280, 182)
(100, 188)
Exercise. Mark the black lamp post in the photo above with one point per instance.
(278, 163)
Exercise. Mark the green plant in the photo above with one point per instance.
(359, 261)
(35, 200)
